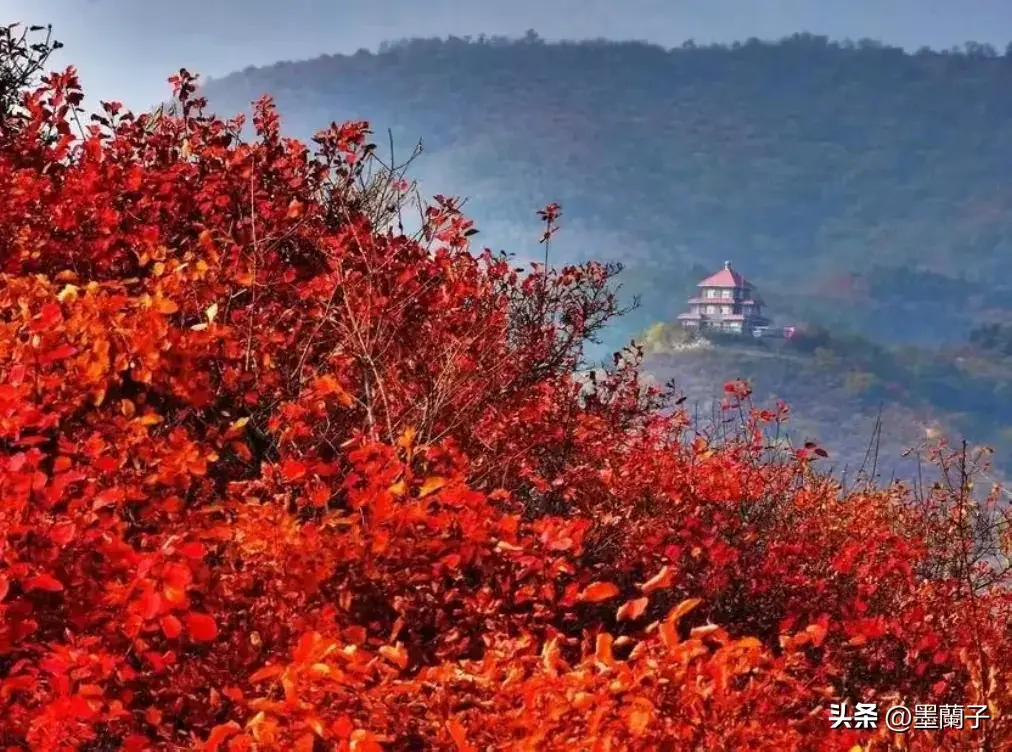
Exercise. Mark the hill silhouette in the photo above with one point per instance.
(861, 186)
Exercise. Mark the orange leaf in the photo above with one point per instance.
(364, 741)
(669, 634)
(164, 305)
(550, 655)
(682, 609)
(237, 428)
(407, 438)
(241, 450)
(640, 716)
(633, 609)
(459, 735)
(219, 734)
(602, 649)
(659, 581)
(599, 591)
(267, 672)
(431, 485)
(817, 632)
(202, 627)
(396, 654)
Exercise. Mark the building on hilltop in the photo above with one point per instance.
(727, 302)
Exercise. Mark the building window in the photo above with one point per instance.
(726, 310)
(725, 294)
(711, 309)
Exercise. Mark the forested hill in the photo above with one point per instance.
(858, 185)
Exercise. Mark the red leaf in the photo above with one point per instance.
(599, 591)
(62, 533)
(60, 353)
(106, 464)
(292, 470)
(43, 582)
(150, 605)
(171, 626)
(192, 550)
(202, 627)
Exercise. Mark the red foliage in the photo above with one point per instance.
(274, 475)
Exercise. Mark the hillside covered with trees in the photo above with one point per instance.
(858, 185)
(875, 405)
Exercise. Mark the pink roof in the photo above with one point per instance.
(726, 277)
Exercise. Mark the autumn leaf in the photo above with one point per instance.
(550, 655)
(430, 485)
(602, 649)
(640, 716)
(598, 591)
(166, 306)
(396, 654)
(683, 608)
(192, 550)
(43, 582)
(236, 428)
(267, 672)
(659, 581)
(63, 533)
(293, 470)
(817, 633)
(171, 626)
(219, 734)
(407, 438)
(459, 735)
(201, 627)
(633, 609)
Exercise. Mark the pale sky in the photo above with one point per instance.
(125, 49)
